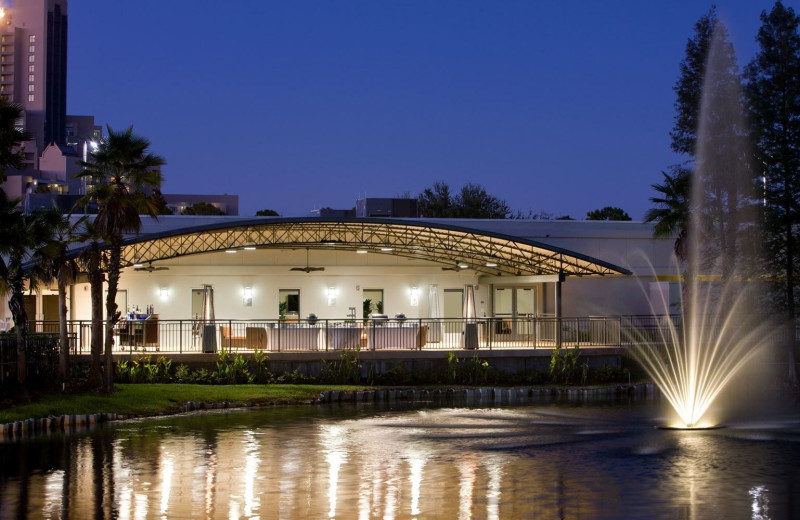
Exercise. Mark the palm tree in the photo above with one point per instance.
(95, 262)
(21, 235)
(672, 213)
(59, 266)
(122, 168)
(11, 136)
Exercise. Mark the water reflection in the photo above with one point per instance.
(566, 462)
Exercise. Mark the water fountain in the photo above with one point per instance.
(722, 328)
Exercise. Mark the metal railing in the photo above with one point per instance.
(192, 336)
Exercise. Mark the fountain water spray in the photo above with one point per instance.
(721, 328)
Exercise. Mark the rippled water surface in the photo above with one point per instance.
(538, 461)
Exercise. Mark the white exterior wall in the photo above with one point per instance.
(627, 244)
(230, 274)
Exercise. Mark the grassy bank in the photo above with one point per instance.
(155, 399)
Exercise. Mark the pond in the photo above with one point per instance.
(542, 460)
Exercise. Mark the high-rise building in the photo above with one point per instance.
(33, 69)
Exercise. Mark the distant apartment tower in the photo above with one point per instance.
(33, 70)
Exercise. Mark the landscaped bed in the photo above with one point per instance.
(158, 399)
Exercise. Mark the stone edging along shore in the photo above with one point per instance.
(486, 395)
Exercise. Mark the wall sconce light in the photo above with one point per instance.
(247, 299)
(331, 296)
(164, 293)
(414, 296)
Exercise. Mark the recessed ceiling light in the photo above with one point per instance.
(231, 251)
(361, 251)
(249, 248)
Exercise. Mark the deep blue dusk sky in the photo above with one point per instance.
(556, 106)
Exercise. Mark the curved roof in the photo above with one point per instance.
(482, 250)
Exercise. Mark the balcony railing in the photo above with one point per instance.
(192, 336)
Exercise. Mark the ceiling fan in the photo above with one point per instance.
(460, 266)
(307, 268)
(150, 268)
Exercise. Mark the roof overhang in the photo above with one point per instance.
(449, 245)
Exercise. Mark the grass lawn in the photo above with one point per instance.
(146, 399)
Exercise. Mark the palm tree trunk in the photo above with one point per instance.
(63, 359)
(96, 286)
(790, 283)
(112, 314)
(21, 324)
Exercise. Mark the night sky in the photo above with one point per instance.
(554, 106)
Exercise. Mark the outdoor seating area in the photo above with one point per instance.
(191, 336)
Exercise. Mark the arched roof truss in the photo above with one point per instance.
(485, 252)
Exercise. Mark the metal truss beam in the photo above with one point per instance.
(418, 239)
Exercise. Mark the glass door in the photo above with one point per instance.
(453, 308)
(512, 308)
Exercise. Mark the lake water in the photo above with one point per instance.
(546, 460)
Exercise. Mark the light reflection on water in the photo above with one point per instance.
(549, 461)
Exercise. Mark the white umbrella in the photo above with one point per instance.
(435, 326)
(209, 329)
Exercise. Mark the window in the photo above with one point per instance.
(31, 68)
(31, 78)
(31, 48)
(31, 58)
(31, 87)
(372, 302)
(32, 38)
(30, 97)
(289, 302)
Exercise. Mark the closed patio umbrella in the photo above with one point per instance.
(209, 328)
(470, 318)
(435, 326)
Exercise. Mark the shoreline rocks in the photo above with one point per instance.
(29, 428)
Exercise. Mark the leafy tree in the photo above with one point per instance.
(21, 235)
(472, 201)
(160, 202)
(58, 265)
(202, 208)
(671, 214)
(709, 128)
(436, 201)
(608, 213)
(267, 213)
(773, 95)
(689, 88)
(95, 261)
(11, 137)
(123, 168)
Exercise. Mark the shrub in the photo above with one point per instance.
(261, 373)
(565, 368)
(344, 371)
(183, 374)
(472, 371)
(232, 371)
(609, 374)
(293, 378)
